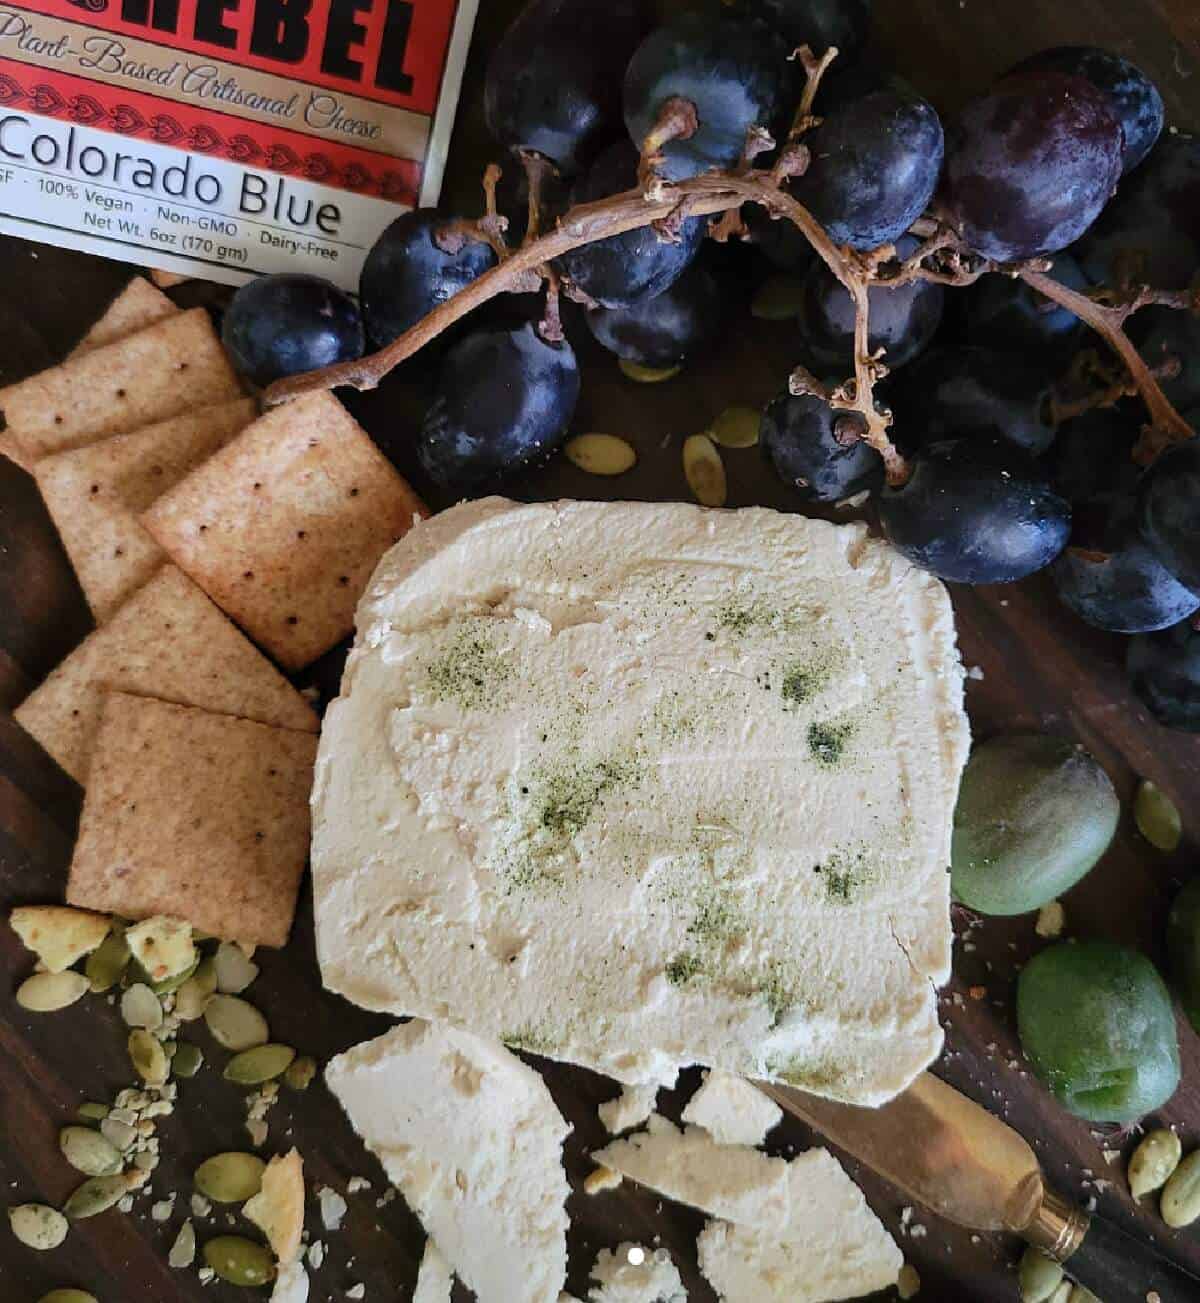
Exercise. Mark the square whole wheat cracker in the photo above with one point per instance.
(173, 365)
(283, 527)
(137, 306)
(170, 642)
(200, 816)
(95, 493)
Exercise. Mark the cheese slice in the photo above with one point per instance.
(833, 1246)
(729, 1181)
(473, 1140)
(435, 1279)
(732, 1111)
(633, 1274)
(640, 785)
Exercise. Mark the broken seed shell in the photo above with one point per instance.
(1038, 1276)
(89, 1152)
(235, 1023)
(601, 454)
(737, 427)
(1157, 817)
(263, 1063)
(148, 1057)
(1180, 1202)
(106, 964)
(704, 470)
(647, 375)
(100, 1193)
(233, 969)
(193, 995)
(68, 1296)
(50, 992)
(300, 1072)
(239, 1261)
(188, 1059)
(232, 1177)
(37, 1226)
(1152, 1163)
(140, 1007)
(778, 298)
(183, 1251)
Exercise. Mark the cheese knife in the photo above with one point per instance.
(947, 1153)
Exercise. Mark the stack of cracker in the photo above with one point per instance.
(197, 530)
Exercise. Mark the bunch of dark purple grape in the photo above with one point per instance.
(1010, 428)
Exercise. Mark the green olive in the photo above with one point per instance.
(1034, 814)
(1183, 947)
(1096, 1023)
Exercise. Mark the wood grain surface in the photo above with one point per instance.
(1041, 669)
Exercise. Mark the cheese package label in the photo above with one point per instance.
(225, 138)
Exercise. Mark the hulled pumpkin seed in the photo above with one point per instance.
(239, 1261)
(68, 1296)
(49, 992)
(183, 1251)
(737, 427)
(1157, 817)
(1153, 1161)
(193, 996)
(777, 298)
(263, 1063)
(148, 1057)
(106, 964)
(601, 454)
(140, 1007)
(1038, 1276)
(705, 471)
(235, 1023)
(1180, 1203)
(187, 1060)
(231, 1177)
(100, 1193)
(38, 1227)
(647, 375)
(91, 1111)
(89, 1152)
(300, 1073)
(234, 971)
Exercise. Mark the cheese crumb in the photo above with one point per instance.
(629, 1274)
(357, 1183)
(357, 1291)
(630, 1109)
(732, 1111)
(333, 1208)
(602, 1179)
(1050, 920)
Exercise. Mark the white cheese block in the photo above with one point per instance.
(630, 1109)
(473, 1140)
(833, 1247)
(648, 1277)
(435, 1278)
(641, 785)
(729, 1181)
(732, 1111)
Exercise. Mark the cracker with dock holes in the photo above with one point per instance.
(283, 526)
(173, 365)
(137, 306)
(168, 641)
(94, 495)
(198, 816)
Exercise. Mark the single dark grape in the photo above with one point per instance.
(629, 268)
(504, 398)
(1132, 96)
(874, 166)
(1169, 503)
(1093, 456)
(1164, 671)
(1150, 233)
(1004, 312)
(282, 325)
(782, 242)
(976, 391)
(817, 450)
(1030, 165)
(1122, 586)
(819, 23)
(732, 70)
(553, 82)
(976, 511)
(665, 330)
(1173, 337)
(418, 262)
(902, 321)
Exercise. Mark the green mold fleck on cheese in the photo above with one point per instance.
(683, 968)
(827, 742)
(470, 672)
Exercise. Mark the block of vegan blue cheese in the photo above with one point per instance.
(643, 785)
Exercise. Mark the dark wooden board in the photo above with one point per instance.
(1041, 670)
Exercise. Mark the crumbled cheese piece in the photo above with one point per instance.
(333, 1208)
(183, 1250)
(316, 1254)
(630, 1109)
(278, 1208)
(1050, 920)
(435, 1279)
(732, 1111)
(200, 1206)
(206, 1275)
(163, 946)
(729, 1181)
(58, 935)
(162, 1210)
(629, 1274)
(603, 1178)
(473, 1139)
(291, 1284)
(357, 1291)
(833, 1246)
(357, 1183)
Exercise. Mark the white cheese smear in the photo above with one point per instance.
(642, 785)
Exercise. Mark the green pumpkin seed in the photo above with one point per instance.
(1157, 817)
(234, 971)
(601, 454)
(240, 1261)
(148, 1057)
(188, 1059)
(778, 298)
(91, 1111)
(1153, 1162)
(1180, 1202)
(231, 1177)
(68, 1296)
(108, 962)
(1038, 1276)
(737, 427)
(89, 1152)
(647, 375)
(100, 1193)
(235, 1023)
(193, 996)
(263, 1063)
(300, 1073)
(38, 1227)
(140, 1007)
(49, 992)
(704, 470)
